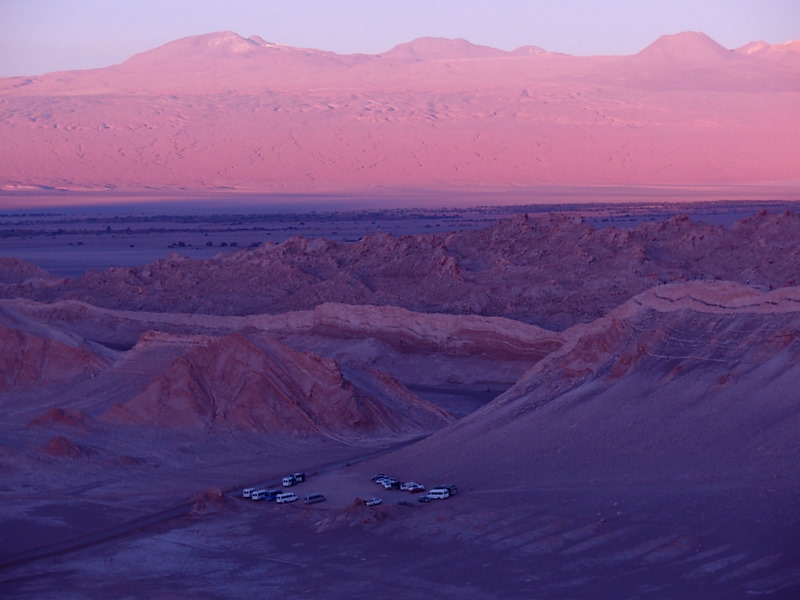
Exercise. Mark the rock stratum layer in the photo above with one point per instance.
(220, 111)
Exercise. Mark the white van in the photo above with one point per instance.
(314, 498)
(285, 497)
(289, 481)
(258, 494)
(438, 493)
(247, 491)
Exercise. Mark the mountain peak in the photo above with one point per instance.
(220, 43)
(688, 46)
(228, 41)
(434, 48)
(528, 51)
(754, 47)
(787, 52)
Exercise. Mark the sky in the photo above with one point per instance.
(39, 36)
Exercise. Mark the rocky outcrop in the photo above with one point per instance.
(415, 347)
(63, 447)
(463, 335)
(14, 270)
(210, 501)
(236, 383)
(63, 417)
(553, 271)
(27, 359)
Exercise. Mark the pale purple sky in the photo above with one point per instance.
(38, 36)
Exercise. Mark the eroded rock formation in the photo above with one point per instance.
(553, 271)
(259, 384)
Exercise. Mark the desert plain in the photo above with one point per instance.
(566, 285)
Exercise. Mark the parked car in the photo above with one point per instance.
(378, 476)
(390, 484)
(413, 487)
(247, 491)
(285, 497)
(373, 502)
(314, 498)
(449, 487)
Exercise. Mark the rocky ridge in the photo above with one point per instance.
(259, 384)
(28, 360)
(552, 271)
(690, 375)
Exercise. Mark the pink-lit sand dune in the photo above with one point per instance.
(223, 111)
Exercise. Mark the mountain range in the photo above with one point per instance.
(224, 112)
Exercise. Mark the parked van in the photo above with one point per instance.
(314, 498)
(289, 481)
(285, 497)
(299, 477)
(247, 491)
(438, 493)
(258, 494)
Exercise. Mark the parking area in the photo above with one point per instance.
(342, 488)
